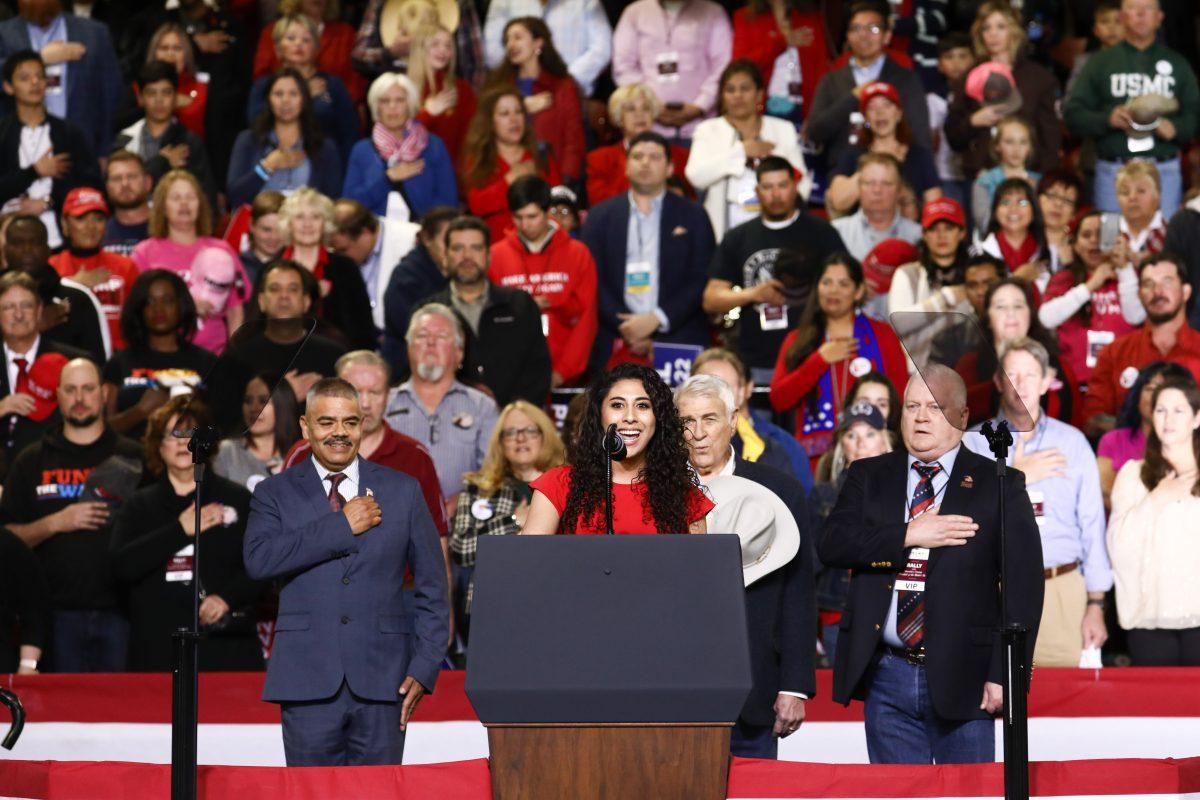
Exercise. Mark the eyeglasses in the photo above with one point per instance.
(1011, 201)
(872, 29)
(510, 434)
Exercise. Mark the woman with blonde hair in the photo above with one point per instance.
(1139, 194)
(998, 35)
(496, 497)
(444, 102)
(306, 221)
(170, 43)
(336, 41)
(400, 170)
(180, 237)
(632, 109)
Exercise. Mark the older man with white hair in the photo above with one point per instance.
(780, 606)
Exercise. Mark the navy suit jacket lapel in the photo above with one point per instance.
(310, 486)
(620, 243)
(893, 484)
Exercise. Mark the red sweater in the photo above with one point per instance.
(560, 126)
(451, 126)
(565, 274)
(489, 200)
(112, 293)
(788, 389)
(759, 39)
(606, 171)
(333, 56)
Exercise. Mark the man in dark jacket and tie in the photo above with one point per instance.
(348, 665)
(919, 641)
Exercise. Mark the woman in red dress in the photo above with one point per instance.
(447, 103)
(500, 148)
(533, 65)
(654, 489)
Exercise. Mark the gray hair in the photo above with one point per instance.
(363, 358)
(435, 310)
(384, 83)
(1025, 345)
(330, 387)
(709, 386)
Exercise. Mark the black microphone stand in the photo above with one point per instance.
(185, 680)
(1013, 636)
(614, 449)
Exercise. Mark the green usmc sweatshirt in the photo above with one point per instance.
(1113, 76)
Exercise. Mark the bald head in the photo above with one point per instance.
(935, 412)
(80, 393)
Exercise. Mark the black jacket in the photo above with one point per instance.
(1183, 237)
(146, 534)
(24, 601)
(781, 613)
(509, 355)
(197, 160)
(416, 277)
(347, 306)
(866, 533)
(65, 138)
(17, 432)
(82, 328)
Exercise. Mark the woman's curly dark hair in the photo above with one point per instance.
(669, 479)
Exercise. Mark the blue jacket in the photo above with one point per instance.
(341, 613)
(94, 82)
(685, 248)
(243, 183)
(367, 180)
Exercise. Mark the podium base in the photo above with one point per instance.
(625, 761)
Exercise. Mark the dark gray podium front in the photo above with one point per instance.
(608, 666)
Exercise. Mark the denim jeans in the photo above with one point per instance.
(902, 727)
(89, 641)
(1170, 173)
(753, 741)
(829, 637)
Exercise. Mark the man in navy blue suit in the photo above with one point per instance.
(348, 665)
(652, 249)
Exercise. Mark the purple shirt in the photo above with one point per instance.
(1121, 445)
(699, 37)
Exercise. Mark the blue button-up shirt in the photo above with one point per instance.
(641, 247)
(868, 73)
(56, 31)
(940, 481)
(1071, 521)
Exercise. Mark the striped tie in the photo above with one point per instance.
(910, 605)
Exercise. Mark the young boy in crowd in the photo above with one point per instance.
(955, 60)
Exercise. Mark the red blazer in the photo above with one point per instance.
(560, 126)
(333, 56)
(606, 171)
(759, 39)
(489, 201)
(450, 127)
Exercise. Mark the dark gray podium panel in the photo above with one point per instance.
(608, 629)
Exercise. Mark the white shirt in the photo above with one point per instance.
(10, 361)
(347, 488)
(940, 481)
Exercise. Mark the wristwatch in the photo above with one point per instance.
(1096, 602)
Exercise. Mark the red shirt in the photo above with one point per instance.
(451, 126)
(489, 201)
(759, 39)
(333, 55)
(565, 274)
(631, 507)
(403, 454)
(606, 171)
(112, 293)
(560, 126)
(1077, 339)
(1117, 366)
(191, 116)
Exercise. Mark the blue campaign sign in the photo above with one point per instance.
(674, 361)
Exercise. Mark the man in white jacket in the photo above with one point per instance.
(375, 244)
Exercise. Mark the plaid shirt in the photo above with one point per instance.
(370, 57)
(464, 537)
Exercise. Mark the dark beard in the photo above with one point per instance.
(1163, 318)
(81, 422)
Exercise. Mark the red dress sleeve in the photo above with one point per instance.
(699, 505)
(789, 388)
(554, 484)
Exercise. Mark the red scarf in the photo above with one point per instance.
(1017, 257)
(322, 259)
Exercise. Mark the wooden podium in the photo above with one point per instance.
(608, 667)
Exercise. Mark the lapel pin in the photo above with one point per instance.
(967, 482)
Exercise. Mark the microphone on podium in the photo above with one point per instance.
(614, 448)
(614, 445)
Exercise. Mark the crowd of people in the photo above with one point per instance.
(493, 220)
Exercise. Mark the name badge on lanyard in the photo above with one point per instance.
(1038, 501)
(637, 277)
(179, 566)
(668, 66)
(772, 318)
(912, 579)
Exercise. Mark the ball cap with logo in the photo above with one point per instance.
(992, 84)
(765, 525)
(944, 209)
(83, 200)
(43, 384)
(862, 411)
(881, 263)
(877, 89)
